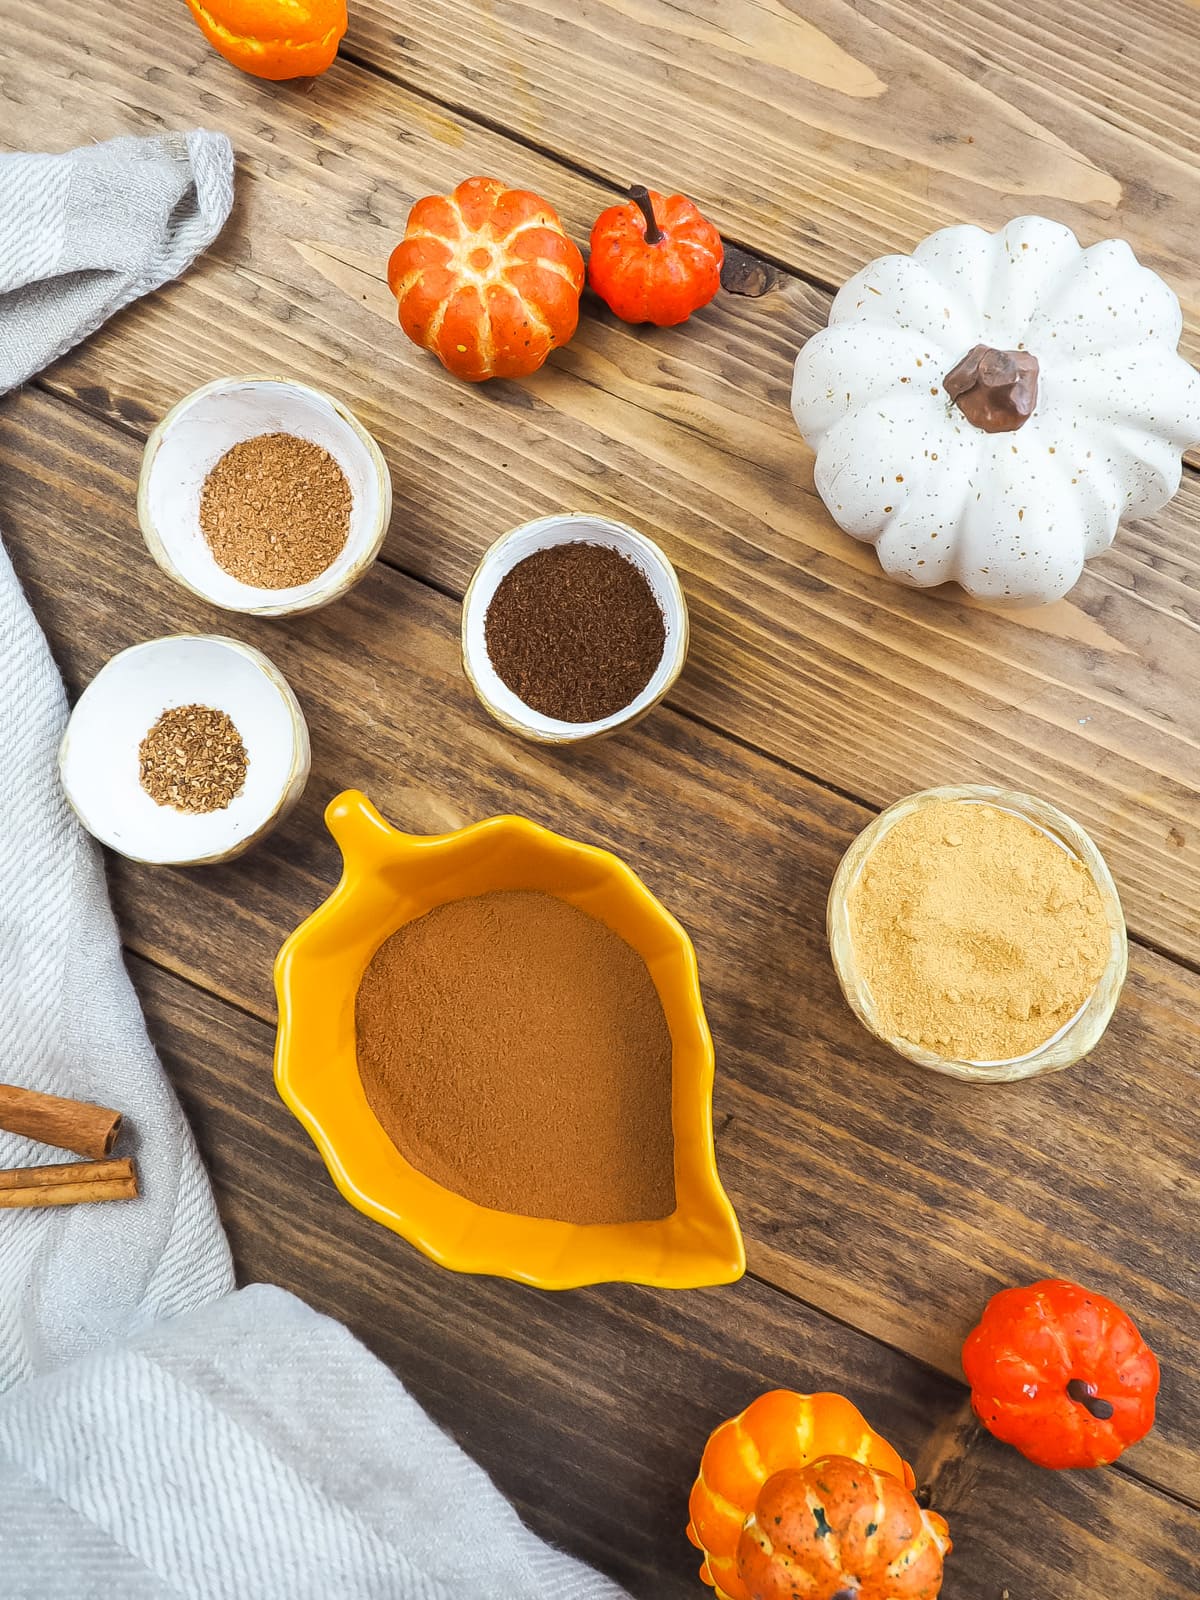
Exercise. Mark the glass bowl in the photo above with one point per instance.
(1076, 1038)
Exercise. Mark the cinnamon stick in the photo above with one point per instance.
(74, 1183)
(75, 1125)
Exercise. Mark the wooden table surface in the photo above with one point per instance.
(881, 1205)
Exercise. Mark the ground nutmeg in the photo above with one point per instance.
(978, 935)
(575, 631)
(275, 511)
(515, 1050)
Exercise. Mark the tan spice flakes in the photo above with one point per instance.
(193, 759)
(275, 511)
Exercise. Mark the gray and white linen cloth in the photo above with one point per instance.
(160, 1434)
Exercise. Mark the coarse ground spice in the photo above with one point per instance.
(575, 631)
(275, 511)
(193, 759)
(978, 935)
(515, 1050)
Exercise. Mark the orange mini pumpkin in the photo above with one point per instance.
(655, 259)
(487, 279)
(274, 39)
(850, 1531)
(779, 1430)
(1061, 1373)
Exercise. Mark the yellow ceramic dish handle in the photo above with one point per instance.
(359, 832)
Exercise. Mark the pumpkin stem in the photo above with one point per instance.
(996, 390)
(1085, 1394)
(641, 198)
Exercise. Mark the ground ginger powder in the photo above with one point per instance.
(978, 935)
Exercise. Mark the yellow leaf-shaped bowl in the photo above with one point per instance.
(390, 878)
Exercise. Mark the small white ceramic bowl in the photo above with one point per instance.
(512, 548)
(99, 764)
(194, 435)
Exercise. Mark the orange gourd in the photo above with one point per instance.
(849, 1531)
(1061, 1373)
(274, 38)
(655, 259)
(777, 1431)
(487, 279)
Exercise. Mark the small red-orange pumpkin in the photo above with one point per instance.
(1061, 1373)
(655, 259)
(839, 1530)
(273, 38)
(487, 279)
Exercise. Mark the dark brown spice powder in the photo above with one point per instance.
(575, 631)
(275, 511)
(515, 1050)
(193, 759)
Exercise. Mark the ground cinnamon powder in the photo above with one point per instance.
(275, 511)
(978, 934)
(515, 1050)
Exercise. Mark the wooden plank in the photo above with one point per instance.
(827, 134)
(800, 647)
(886, 1196)
(590, 1408)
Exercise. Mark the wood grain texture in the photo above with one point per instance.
(800, 647)
(829, 133)
(888, 1197)
(590, 1408)
(881, 1206)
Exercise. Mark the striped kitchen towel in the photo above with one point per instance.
(252, 1450)
(84, 234)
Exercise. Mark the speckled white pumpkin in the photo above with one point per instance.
(1011, 516)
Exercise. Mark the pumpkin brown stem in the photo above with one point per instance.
(996, 390)
(641, 198)
(1085, 1394)
(846, 1594)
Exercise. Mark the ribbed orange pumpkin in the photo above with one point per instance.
(274, 38)
(839, 1530)
(779, 1430)
(487, 279)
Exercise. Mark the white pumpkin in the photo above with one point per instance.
(1090, 431)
